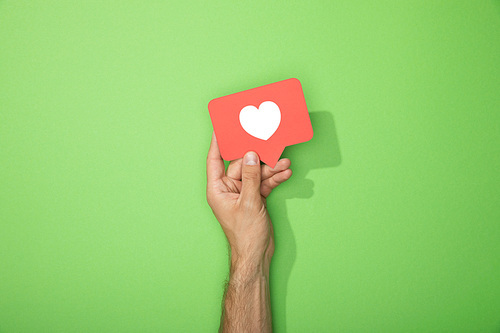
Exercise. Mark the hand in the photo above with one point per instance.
(238, 199)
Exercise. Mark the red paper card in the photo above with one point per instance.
(264, 119)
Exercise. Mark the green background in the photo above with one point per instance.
(390, 223)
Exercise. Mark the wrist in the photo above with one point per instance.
(249, 269)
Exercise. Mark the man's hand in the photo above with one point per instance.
(238, 199)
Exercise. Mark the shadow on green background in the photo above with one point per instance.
(322, 151)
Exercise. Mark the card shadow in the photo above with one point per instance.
(321, 152)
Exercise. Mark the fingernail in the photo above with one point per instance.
(251, 158)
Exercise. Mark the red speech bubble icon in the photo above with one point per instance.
(264, 119)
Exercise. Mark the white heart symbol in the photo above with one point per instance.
(262, 122)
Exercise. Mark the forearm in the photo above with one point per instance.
(247, 303)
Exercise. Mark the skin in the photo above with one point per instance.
(237, 197)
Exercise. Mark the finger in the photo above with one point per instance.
(215, 164)
(271, 183)
(234, 169)
(251, 176)
(268, 172)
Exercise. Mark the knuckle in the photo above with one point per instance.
(272, 183)
(252, 176)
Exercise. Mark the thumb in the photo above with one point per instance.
(250, 177)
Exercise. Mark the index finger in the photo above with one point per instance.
(215, 164)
